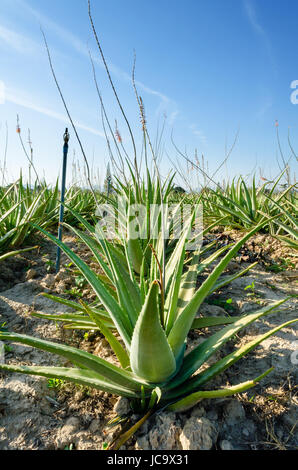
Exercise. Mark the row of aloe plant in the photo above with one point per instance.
(244, 207)
(146, 312)
(20, 205)
(148, 300)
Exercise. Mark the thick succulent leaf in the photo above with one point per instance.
(207, 261)
(132, 272)
(81, 358)
(94, 248)
(178, 254)
(188, 284)
(112, 340)
(206, 322)
(181, 288)
(79, 376)
(151, 356)
(75, 305)
(155, 398)
(172, 296)
(135, 253)
(128, 292)
(134, 246)
(225, 280)
(80, 326)
(9, 212)
(191, 400)
(60, 300)
(65, 317)
(116, 313)
(248, 199)
(284, 211)
(196, 241)
(81, 219)
(287, 228)
(183, 323)
(226, 362)
(239, 215)
(194, 360)
(254, 199)
(288, 241)
(15, 253)
(189, 279)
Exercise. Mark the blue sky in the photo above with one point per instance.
(212, 66)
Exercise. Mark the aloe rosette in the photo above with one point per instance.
(244, 207)
(146, 319)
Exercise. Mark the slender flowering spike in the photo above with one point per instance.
(117, 134)
(142, 110)
(119, 138)
(18, 125)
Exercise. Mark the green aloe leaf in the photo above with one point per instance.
(128, 291)
(228, 361)
(135, 253)
(288, 241)
(79, 376)
(206, 322)
(188, 285)
(191, 400)
(112, 340)
(94, 248)
(225, 280)
(151, 356)
(15, 253)
(197, 357)
(81, 219)
(65, 317)
(70, 303)
(81, 358)
(116, 313)
(183, 323)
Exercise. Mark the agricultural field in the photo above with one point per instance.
(154, 312)
(237, 292)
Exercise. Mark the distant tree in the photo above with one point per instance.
(178, 189)
(108, 181)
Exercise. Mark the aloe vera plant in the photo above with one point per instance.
(136, 253)
(21, 205)
(151, 315)
(287, 222)
(148, 297)
(244, 207)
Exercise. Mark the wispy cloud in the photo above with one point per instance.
(17, 41)
(198, 133)
(81, 47)
(172, 118)
(252, 16)
(259, 29)
(17, 98)
(264, 108)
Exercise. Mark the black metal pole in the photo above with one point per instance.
(61, 215)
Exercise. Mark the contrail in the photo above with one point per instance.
(12, 98)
